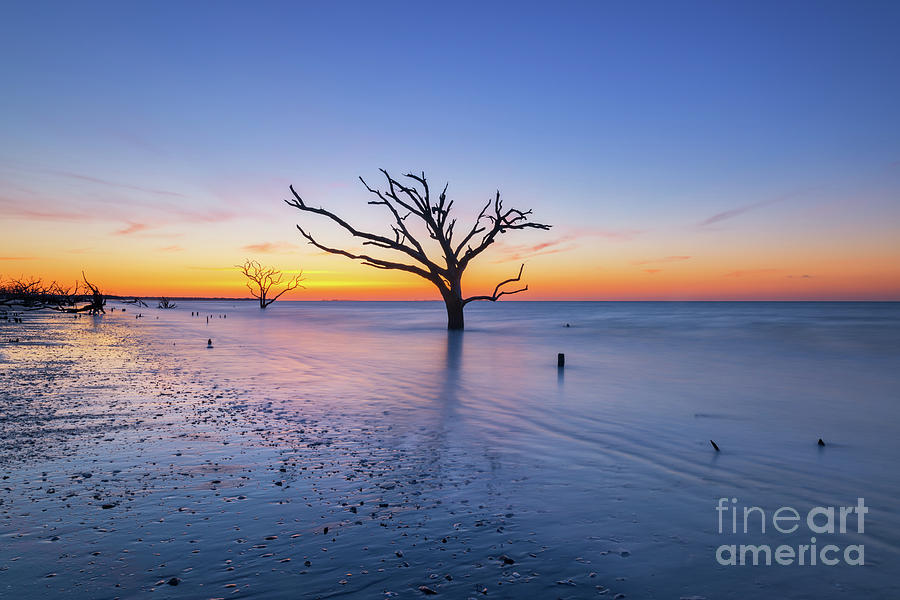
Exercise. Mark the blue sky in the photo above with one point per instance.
(637, 120)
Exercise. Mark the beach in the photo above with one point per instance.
(358, 449)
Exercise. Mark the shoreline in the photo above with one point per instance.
(151, 479)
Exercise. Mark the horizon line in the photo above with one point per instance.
(225, 298)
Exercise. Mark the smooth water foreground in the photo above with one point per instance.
(598, 474)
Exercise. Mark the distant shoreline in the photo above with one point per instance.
(215, 299)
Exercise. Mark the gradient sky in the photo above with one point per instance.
(682, 150)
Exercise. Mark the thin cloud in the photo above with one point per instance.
(124, 186)
(18, 257)
(799, 276)
(614, 234)
(270, 247)
(523, 251)
(664, 259)
(734, 212)
(132, 228)
(173, 248)
(20, 209)
(198, 216)
(750, 272)
(652, 271)
(565, 243)
(740, 210)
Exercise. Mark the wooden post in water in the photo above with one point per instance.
(560, 360)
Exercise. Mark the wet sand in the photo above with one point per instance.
(124, 474)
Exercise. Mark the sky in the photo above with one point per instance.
(681, 150)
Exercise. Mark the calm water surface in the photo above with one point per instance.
(606, 464)
(615, 447)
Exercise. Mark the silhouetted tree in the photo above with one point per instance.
(136, 301)
(34, 294)
(402, 201)
(96, 300)
(165, 303)
(261, 280)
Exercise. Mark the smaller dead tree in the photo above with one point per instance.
(264, 281)
(166, 303)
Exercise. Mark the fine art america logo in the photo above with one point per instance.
(820, 520)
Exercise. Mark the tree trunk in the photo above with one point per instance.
(455, 320)
(454, 302)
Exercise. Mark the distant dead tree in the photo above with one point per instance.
(415, 199)
(165, 303)
(136, 301)
(262, 281)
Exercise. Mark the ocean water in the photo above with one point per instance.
(601, 473)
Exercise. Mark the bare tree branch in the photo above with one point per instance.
(261, 280)
(34, 294)
(403, 201)
(498, 292)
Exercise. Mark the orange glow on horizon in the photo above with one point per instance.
(546, 279)
(845, 264)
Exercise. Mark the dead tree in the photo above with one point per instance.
(403, 201)
(34, 294)
(262, 281)
(166, 303)
(96, 301)
(31, 293)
